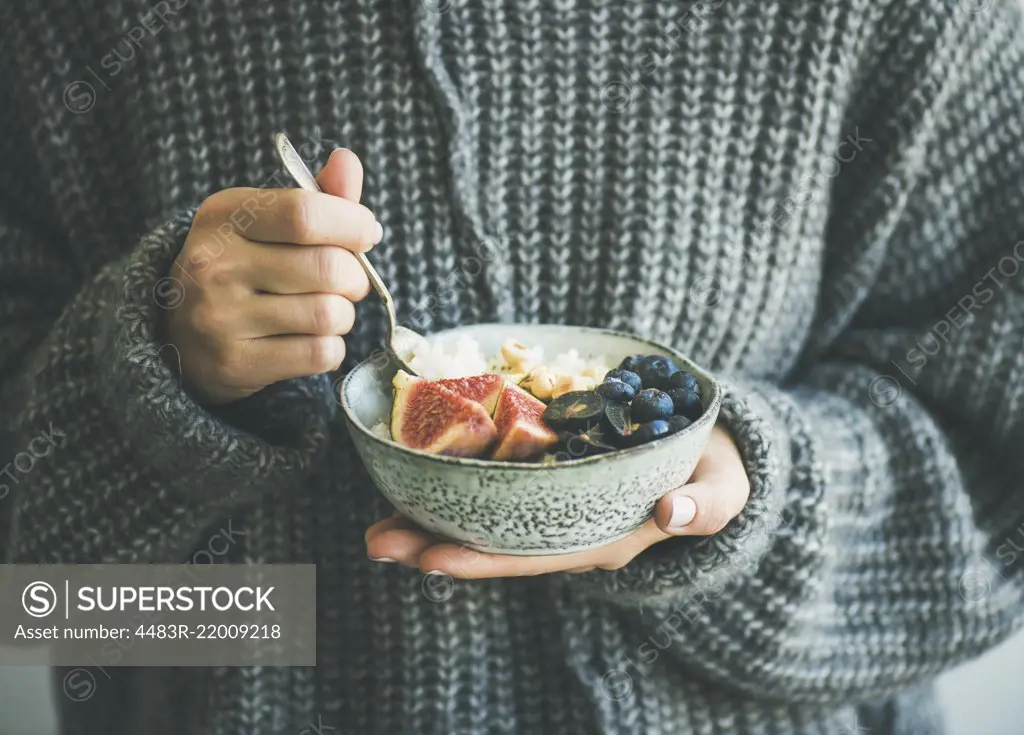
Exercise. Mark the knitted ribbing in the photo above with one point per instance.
(797, 194)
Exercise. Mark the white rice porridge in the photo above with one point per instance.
(465, 358)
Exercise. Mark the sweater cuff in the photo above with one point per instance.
(684, 571)
(221, 454)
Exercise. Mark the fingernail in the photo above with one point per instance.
(384, 559)
(683, 511)
(379, 234)
(436, 573)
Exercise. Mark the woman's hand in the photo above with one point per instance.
(268, 281)
(714, 496)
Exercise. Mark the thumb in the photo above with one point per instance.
(698, 509)
(717, 493)
(343, 175)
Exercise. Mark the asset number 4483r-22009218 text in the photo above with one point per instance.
(209, 632)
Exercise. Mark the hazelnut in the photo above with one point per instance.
(541, 382)
(518, 356)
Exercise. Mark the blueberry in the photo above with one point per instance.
(616, 390)
(686, 403)
(656, 370)
(626, 376)
(684, 380)
(631, 363)
(677, 424)
(650, 431)
(651, 404)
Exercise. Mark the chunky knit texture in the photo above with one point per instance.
(806, 196)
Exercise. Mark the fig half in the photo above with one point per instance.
(522, 433)
(429, 417)
(484, 389)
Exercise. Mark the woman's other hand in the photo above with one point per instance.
(715, 494)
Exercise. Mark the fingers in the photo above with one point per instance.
(343, 175)
(464, 563)
(312, 218)
(260, 362)
(397, 539)
(320, 314)
(403, 545)
(287, 269)
(394, 521)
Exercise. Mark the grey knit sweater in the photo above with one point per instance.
(820, 200)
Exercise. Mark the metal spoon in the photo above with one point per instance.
(401, 341)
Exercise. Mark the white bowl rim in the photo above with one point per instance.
(710, 413)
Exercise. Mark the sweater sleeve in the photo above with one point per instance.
(109, 459)
(882, 541)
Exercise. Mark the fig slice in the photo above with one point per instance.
(483, 389)
(434, 419)
(522, 433)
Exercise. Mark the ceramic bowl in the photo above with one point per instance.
(520, 508)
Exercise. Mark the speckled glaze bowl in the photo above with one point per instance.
(519, 508)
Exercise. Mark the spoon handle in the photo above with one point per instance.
(294, 165)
